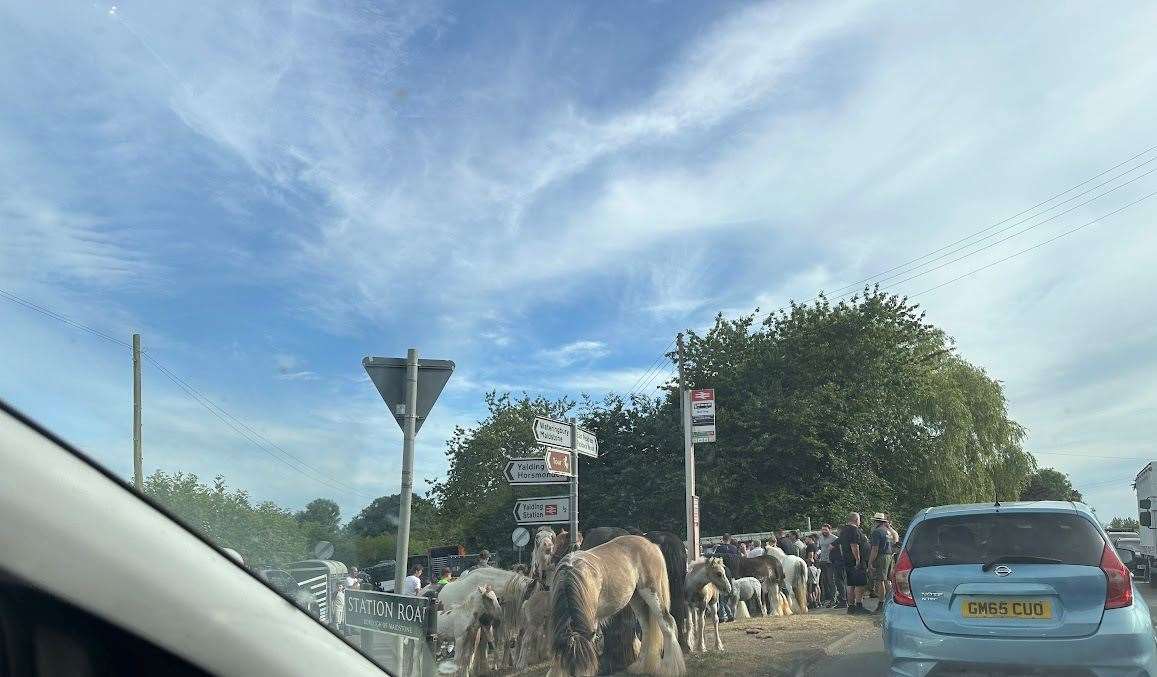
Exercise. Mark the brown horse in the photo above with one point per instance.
(591, 586)
(765, 569)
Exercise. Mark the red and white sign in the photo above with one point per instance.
(558, 462)
(702, 415)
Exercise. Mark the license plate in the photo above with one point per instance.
(1031, 609)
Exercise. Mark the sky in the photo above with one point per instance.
(544, 193)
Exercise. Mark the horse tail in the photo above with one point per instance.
(675, 557)
(741, 610)
(573, 622)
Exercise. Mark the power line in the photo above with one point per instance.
(855, 285)
(236, 424)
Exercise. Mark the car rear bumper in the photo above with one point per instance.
(1124, 645)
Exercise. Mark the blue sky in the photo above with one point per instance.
(545, 193)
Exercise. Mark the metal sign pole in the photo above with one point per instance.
(574, 532)
(688, 458)
(403, 552)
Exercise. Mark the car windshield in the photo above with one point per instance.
(1044, 537)
(395, 300)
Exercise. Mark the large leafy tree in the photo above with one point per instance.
(1049, 484)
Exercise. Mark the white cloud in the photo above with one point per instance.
(576, 351)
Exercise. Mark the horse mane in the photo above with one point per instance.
(675, 557)
(574, 617)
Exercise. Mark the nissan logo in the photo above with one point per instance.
(1002, 570)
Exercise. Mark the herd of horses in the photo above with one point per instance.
(621, 600)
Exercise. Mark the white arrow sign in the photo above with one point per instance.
(542, 510)
(551, 432)
(531, 471)
(586, 443)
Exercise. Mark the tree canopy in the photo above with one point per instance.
(1048, 484)
(1124, 524)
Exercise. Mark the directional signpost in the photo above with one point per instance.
(558, 462)
(551, 432)
(542, 510)
(531, 471)
(564, 441)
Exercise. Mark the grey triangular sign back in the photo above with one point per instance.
(389, 377)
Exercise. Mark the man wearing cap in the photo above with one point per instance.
(880, 557)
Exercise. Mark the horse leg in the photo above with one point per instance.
(801, 592)
(670, 658)
(714, 611)
(648, 659)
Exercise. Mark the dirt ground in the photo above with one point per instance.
(767, 645)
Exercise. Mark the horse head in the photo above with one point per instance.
(716, 573)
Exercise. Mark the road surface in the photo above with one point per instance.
(866, 656)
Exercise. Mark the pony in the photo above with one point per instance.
(766, 570)
(706, 582)
(543, 552)
(747, 593)
(795, 577)
(511, 589)
(472, 627)
(591, 586)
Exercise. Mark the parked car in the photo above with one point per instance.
(1032, 588)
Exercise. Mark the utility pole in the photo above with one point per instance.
(138, 469)
(688, 457)
(408, 433)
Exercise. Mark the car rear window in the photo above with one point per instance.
(977, 539)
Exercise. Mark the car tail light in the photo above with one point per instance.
(901, 587)
(1120, 590)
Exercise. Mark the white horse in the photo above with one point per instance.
(471, 624)
(746, 591)
(509, 586)
(794, 576)
(706, 582)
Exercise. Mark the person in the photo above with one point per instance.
(447, 576)
(726, 547)
(743, 549)
(483, 559)
(854, 548)
(798, 544)
(824, 561)
(839, 575)
(813, 584)
(811, 550)
(880, 558)
(783, 542)
(352, 581)
(413, 582)
(339, 608)
(756, 550)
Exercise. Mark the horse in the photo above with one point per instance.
(618, 648)
(472, 626)
(706, 582)
(795, 576)
(511, 589)
(767, 570)
(747, 593)
(591, 586)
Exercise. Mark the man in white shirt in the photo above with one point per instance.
(827, 580)
(413, 582)
(756, 550)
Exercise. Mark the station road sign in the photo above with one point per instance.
(531, 471)
(542, 510)
(586, 443)
(551, 432)
(558, 462)
(702, 415)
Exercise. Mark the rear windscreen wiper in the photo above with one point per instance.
(1019, 559)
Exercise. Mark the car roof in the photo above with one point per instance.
(1011, 506)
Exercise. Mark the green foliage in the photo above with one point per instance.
(1124, 524)
(1048, 484)
(264, 534)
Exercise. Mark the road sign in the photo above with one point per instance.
(586, 443)
(387, 612)
(703, 415)
(551, 432)
(520, 537)
(323, 550)
(558, 462)
(542, 510)
(531, 471)
(389, 377)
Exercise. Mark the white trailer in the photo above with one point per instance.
(1146, 487)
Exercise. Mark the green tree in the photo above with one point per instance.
(1124, 524)
(264, 534)
(1049, 484)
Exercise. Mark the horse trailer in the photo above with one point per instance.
(319, 577)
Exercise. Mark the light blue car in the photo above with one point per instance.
(1029, 588)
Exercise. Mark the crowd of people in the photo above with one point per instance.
(844, 566)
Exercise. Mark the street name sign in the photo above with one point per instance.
(387, 612)
(551, 432)
(702, 415)
(542, 510)
(586, 443)
(558, 462)
(531, 471)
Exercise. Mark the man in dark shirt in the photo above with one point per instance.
(839, 575)
(726, 614)
(811, 550)
(783, 542)
(854, 548)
